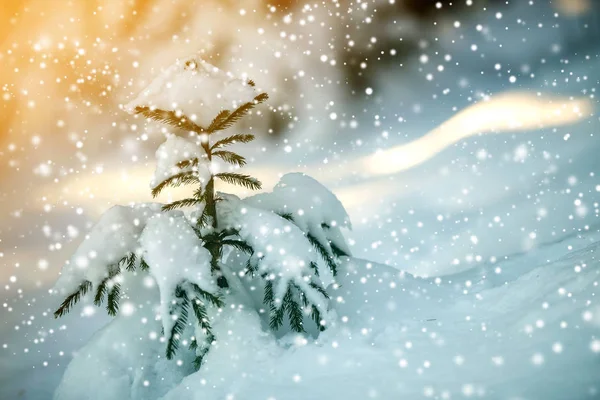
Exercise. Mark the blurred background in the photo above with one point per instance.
(457, 133)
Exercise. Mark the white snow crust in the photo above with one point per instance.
(197, 89)
(114, 235)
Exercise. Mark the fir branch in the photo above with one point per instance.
(316, 317)
(211, 298)
(180, 322)
(240, 112)
(176, 180)
(239, 245)
(201, 316)
(288, 216)
(314, 267)
(187, 163)
(202, 221)
(251, 267)
(231, 140)
(101, 292)
(324, 253)
(277, 315)
(230, 157)
(240, 179)
(144, 265)
(112, 304)
(294, 311)
(228, 232)
(337, 251)
(72, 299)
(189, 202)
(203, 351)
(169, 118)
(103, 286)
(218, 121)
(130, 262)
(319, 289)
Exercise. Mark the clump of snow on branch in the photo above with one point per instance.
(114, 236)
(175, 150)
(195, 88)
(311, 206)
(175, 256)
(280, 247)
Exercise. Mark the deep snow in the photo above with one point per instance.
(524, 352)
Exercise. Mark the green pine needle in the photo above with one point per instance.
(101, 292)
(189, 202)
(188, 163)
(114, 296)
(324, 253)
(239, 138)
(294, 311)
(113, 270)
(337, 251)
(188, 177)
(203, 294)
(144, 265)
(180, 310)
(288, 216)
(218, 121)
(319, 289)
(202, 352)
(73, 299)
(169, 118)
(240, 179)
(316, 316)
(239, 245)
(230, 157)
(129, 262)
(201, 316)
(239, 113)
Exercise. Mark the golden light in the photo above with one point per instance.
(508, 112)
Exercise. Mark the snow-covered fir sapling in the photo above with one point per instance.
(286, 240)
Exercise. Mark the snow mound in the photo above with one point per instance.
(197, 89)
(173, 151)
(114, 236)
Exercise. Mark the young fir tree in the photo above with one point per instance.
(185, 253)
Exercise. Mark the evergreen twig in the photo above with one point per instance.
(240, 179)
(239, 138)
(73, 299)
(169, 118)
(175, 181)
(230, 157)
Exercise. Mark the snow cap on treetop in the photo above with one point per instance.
(196, 89)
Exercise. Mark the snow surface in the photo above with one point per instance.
(421, 221)
(196, 89)
(174, 150)
(481, 333)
